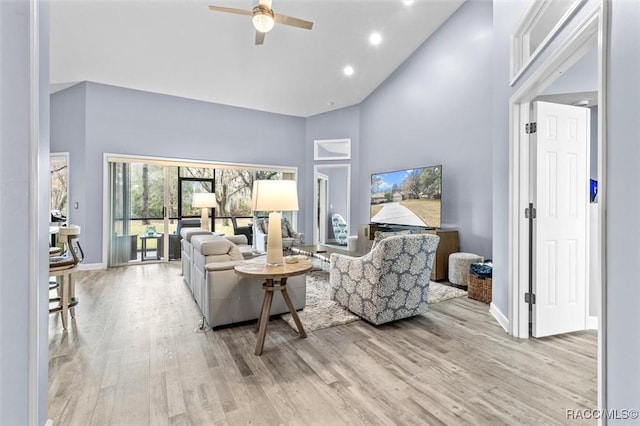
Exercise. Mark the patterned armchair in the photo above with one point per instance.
(290, 237)
(390, 282)
(339, 229)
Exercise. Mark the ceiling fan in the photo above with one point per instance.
(264, 18)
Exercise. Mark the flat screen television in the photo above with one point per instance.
(411, 197)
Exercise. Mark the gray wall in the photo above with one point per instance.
(133, 122)
(17, 182)
(340, 124)
(433, 110)
(623, 208)
(581, 77)
(68, 134)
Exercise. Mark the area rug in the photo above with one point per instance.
(322, 312)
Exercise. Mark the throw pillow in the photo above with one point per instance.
(286, 228)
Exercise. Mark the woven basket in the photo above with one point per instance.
(479, 288)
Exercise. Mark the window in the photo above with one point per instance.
(540, 23)
(332, 149)
(59, 175)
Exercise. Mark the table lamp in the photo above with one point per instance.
(274, 196)
(205, 201)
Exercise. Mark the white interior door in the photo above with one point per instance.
(561, 198)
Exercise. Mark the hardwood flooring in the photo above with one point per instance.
(132, 357)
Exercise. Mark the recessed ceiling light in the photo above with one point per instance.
(375, 39)
(348, 70)
(408, 2)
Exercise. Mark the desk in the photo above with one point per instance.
(143, 249)
(275, 280)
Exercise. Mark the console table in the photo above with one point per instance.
(323, 252)
(448, 245)
(275, 280)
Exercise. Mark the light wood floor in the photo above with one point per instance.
(132, 357)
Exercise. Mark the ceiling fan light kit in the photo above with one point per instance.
(264, 18)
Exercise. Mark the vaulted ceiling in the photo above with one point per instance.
(179, 47)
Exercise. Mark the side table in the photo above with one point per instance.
(275, 280)
(143, 248)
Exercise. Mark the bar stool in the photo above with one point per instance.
(63, 268)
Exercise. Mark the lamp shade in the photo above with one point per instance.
(274, 195)
(203, 200)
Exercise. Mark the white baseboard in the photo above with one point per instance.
(592, 323)
(499, 316)
(91, 266)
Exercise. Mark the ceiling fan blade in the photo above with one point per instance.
(231, 10)
(294, 22)
(259, 38)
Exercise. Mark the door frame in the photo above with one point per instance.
(591, 31)
(320, 207)
(316, 172)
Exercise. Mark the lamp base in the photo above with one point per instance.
(274, 241)
(204, 219)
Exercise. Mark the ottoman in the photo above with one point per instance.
(459, 267)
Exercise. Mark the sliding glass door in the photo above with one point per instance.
(148, 197)
(139, 221)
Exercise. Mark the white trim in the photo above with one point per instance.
(499, 316)
(317, 177)
(106, 210)
(518, 65)
(577, 44)
(187, 162)
(592, 323)
(329, 142)
(35, 221)
(92, 266)
(603, 94)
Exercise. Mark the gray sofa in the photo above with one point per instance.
(187, 250)
(223, 296)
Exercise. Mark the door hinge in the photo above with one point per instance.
(530, 128)
(530, 213)
(530, 298)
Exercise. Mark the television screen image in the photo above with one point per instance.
(409, 197)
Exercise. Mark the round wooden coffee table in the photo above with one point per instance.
(275, 278)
